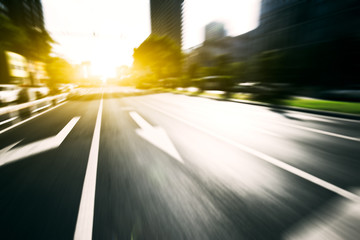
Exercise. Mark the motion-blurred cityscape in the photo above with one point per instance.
(249, 136)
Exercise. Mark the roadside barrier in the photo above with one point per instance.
(14, 113)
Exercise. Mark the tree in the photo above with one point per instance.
(238, 70)
(223, 64)
(29, 42)
(59, 71)
(159, 56)
(193, 70)
(39, 47)
(12, 38)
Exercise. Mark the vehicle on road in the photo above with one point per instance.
(9, 93)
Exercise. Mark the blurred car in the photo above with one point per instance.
(9, 93)
(264, 89)
(214, 83)
(39, 91)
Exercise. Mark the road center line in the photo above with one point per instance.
(84, 224)
(331, 187)
(266, 132)
(41, 108)
(7, 121)
(322, 132)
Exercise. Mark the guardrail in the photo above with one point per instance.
(10, 114)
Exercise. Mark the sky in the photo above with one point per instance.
(105, 32)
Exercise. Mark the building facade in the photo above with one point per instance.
(214, 31)
(166, 19)
(300, 41)
(317, 41)
(27, 17)
(3, 8)
(25, 13)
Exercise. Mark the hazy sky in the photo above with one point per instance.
(106, 31)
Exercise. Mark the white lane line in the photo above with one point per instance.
(7, 121)
(322, 132)
(41, 108)
(307, 117)
(84, 224)
(335, 118)
(30, 118)
(331, 187)
(266, 132)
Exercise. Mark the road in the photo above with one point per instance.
(126, 164)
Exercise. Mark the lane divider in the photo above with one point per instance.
(321, 132)
(41, 108)
(84, 223)
(8, 120)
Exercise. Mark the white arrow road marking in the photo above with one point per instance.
(8, 154)
(31, 118)
(156, 136)
(6, 149)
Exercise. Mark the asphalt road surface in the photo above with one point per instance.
(127, 164)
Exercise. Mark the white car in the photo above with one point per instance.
(9, 93)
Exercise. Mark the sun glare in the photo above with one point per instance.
(105, 63)
(102, 69)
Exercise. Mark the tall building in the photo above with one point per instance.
(3, 8)
(314, 42)
(27, 14)
(214, 31)
(166, 19)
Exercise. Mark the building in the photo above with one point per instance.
(166, 19)
(318, 40)
(214, 31)
(3, 8)
(297, 41)
(25, 13)
(294, 23)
